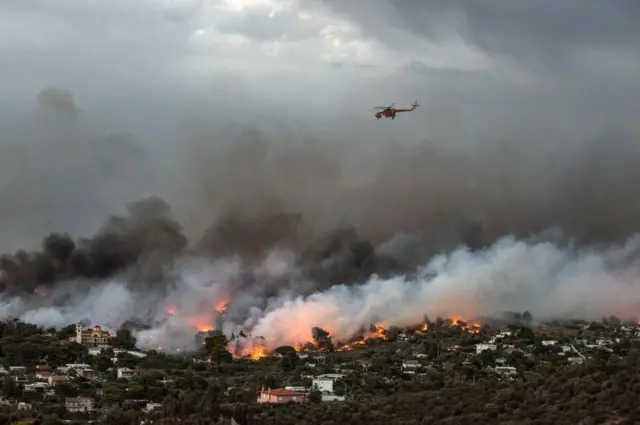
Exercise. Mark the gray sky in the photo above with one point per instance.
(180, 75)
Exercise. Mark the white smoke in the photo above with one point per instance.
(546, 278)
(511, 275)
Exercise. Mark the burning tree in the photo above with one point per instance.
(215, 347)
(321, 339)
(289, 359)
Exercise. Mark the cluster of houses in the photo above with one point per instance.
(45, 379)
(415, 364)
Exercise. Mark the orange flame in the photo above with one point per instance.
(257, 353)
(472, 327)
(378, 331)
(221, 307)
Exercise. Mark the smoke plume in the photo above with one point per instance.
(271, 236)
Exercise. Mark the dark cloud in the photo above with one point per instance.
(540, 33)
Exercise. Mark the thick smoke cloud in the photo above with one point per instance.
(514, 187)
(341, 243)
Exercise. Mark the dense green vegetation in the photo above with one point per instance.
(454, 385)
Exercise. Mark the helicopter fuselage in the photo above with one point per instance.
(387, 113)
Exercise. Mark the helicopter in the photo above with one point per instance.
(391, 111)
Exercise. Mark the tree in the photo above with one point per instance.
(315, 396)
(285, 349)
(527, 334)
(215, 347)
(26, 353)
(321, 339)
(289, 362)
(67, 332)
(124, 339)
(10, 388)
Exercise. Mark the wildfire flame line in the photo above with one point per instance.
(257, 349)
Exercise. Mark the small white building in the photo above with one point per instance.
(75, 366)
(410, 364)
(58, 379)
(126, 373)
(334, 376)
(36, 386)
(297, 388)
(566, 349)
(484, 347)
(549, 342)
(501, 335)
(505, 370)
(323, 384)
(150, 407)
(24, 406)
(137, 354)
(79, 404)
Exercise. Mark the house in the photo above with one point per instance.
(43, 368)
(150, 407)
(137, 354)
(79, 404)
(365, 363)
(484, 347)
(87, 373)
(49, 395)
(97, 350)
(566, 349)
(24, 406)
(280, 396)
(505, 370)
(509, 347)
(36, 386)
(323, 384)
(549, 342)
(410, 364)
(72, 366)
(503, 334)
(126, 373)
(92, 337)
(17, 370)
(297, 388)
(43, 375)
(501, 361)
(58, 379)
(334, 376)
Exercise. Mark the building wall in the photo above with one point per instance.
(271, 398)
(324, 384)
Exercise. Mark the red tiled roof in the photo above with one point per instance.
(281, 392)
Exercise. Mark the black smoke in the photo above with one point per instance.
(147, 237)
